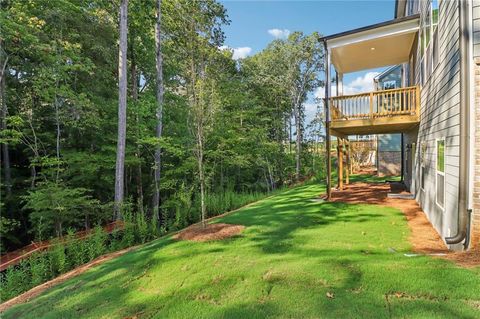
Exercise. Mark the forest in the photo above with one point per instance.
(137, 108)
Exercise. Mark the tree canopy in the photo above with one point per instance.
(227, 126)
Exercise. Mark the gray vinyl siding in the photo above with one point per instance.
(476, 28)
(440, 119)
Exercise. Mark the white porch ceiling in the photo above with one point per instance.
(379, 45)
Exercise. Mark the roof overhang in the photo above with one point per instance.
(383, 44)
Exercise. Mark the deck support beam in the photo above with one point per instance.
(340, 163)
(347, 161)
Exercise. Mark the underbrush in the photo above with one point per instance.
(219, 203)
(71, 252)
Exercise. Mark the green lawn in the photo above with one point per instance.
(293, 252)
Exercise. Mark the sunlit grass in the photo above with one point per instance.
(293, 252)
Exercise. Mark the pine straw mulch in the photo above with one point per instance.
(217, 231)
(424, 238)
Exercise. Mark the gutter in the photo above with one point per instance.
(464, 181)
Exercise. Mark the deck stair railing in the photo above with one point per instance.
(384, 103)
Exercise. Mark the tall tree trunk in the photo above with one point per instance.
(122, 110)
(201, 173)
(5, 152)
(290, 134)
(57, 124)
(298, 141)
(159, 114)
(3, 124)
(138, 153)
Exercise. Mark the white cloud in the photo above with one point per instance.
(363, 83)
(238, 53)
(360, 85)
(241, 53)
(279, 33)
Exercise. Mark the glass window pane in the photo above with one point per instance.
(434, 13)
(426, 26)
(440, 189)
(441, 156)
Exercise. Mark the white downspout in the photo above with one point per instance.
(472, 110)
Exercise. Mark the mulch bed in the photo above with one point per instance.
(217, 231)
(424, 238)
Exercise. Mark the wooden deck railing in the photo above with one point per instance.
(385, 103)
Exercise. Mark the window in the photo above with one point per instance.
(423, 164)
(428, 41)
(412, 7)
(388, 85)
(434, 9)
(440, 175)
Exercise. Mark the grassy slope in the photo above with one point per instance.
(291, 254)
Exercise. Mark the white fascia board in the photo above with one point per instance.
(381, 32)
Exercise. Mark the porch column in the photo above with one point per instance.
(327, 120)
(339, 83)
(344, 141)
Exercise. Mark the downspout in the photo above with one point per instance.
(463, 209)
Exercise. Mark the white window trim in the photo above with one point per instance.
(437, 172)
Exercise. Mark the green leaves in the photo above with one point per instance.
(55, 205)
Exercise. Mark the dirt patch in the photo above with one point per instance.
(467, 259)
(424, 237)
(32, 293)
(217, 231)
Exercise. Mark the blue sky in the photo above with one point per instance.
(252, 20)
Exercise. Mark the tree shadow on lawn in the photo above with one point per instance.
(272, 225)
(355, 296)
(118, 285)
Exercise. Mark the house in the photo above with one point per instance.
(435, 45)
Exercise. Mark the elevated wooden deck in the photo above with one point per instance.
(378, 112)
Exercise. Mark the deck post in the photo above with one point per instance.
(340, 162)
(347, 161)
(417, 100)
(371, 105)
(327, 121)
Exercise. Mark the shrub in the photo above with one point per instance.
(57, 258)
(128, 230)
(77, 252)
(96, 244)
(15, 280)
(39, 268)
(142, 229)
